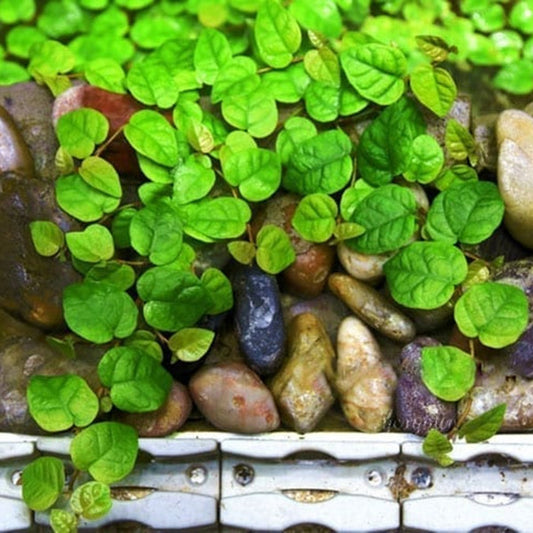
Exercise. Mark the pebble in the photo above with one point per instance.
(365, 383)
(327, 307)
(233, 398)
(32, 285)
(307, 275)
(514, 133)
(165, 420)
(30, 106)
(520, 354)
(258, 319)
(23, 357)
(302, 388)
(15, 155)
(118, 108)
(373, 308)
(417, 410)
(497, 383)
(364, 267)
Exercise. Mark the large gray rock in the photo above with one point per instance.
(514, 132)
(30, 105)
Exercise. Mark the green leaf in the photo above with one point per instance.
(106, 73)
(315, 217)
(277, 34)
(101, 175)
(484, 426)
(137, 382)
(274, 249)
(20, 39)
(173, 299)
(434, 47)
(216, 218)
(62, 521)
(42, 482)
(98, 312)
(154, 171)
(376, 71)
(426, 160)
(212, 52)
(495, 312)
(388, 215)
(108, 450)
(384, 150)
(255, 112)
(468, 212)
(151, 83)
(192, 180)
(322, 101)
(49, 58)
(236, 78)
(60, 19)
(151, 135)
(323, 16)
(57, 403)
(146, 341)
(92, 500)
(295, 131)
(286, 86)
(434, 87)
(323, 66)
(80, 130)
(153, 29)
(120, 227)
(459, 142)
(118, 274)
(47, 237)
(423, 275)
(150, 193)
(242, 251)
(352, 196)
(157, 232)
(453, 174)
(521, 16)
(93, 244)
(12, 11)
(190, 344)
(255, 171)
(448, 372)
(347, 230)
(515, 77)
(11, 72)
(320, 164)
(437, 446)
(219, 289)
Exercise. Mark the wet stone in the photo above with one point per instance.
(23, 357)
(417, 410)
(514, 132)
(372, 307)
(365, 267)
(258, 319)
(233, 398)
(302, 387)
(30, 106)
(520, 354)
(365, 383)
(165, 420)
(15, 156)
(32, 285)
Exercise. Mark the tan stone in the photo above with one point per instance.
(514, 132)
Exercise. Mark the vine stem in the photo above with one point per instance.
(104, 146)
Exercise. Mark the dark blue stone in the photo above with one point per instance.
(258, 319)
(521, 354)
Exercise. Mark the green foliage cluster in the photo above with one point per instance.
(242, 99)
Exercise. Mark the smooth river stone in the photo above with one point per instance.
(496, 383)
(302, 387)
(23, 357)
(520, 354)
(373, 308)
(417, 409)
(165, 420)
(365, 267)
(233, 398)
(31, 286)
(514, 133)
(15, 156)
(30, 105)
(365, 383)
(258, 319)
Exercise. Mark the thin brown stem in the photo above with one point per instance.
(104, 146)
